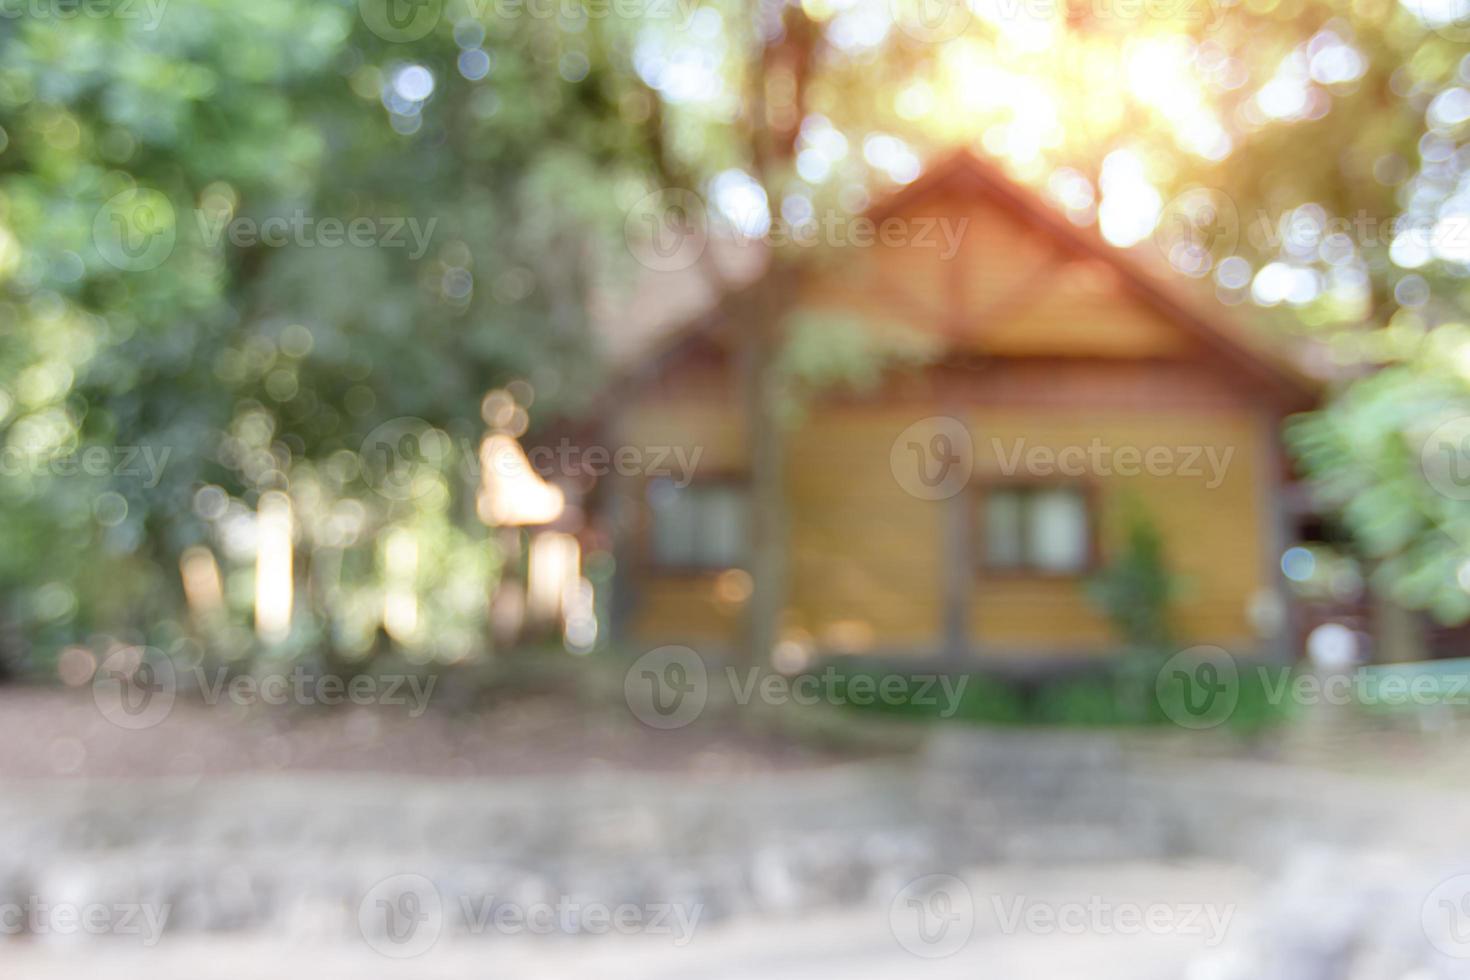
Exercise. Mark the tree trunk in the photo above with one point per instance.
(766, 449)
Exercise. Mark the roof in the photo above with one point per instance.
(1160, 288)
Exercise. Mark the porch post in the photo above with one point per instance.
(958, 575)
(766, 448)
(1276, 531)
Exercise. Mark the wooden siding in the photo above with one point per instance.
(867, 558)
(1044, 346)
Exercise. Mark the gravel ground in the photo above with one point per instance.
(856, 943)
(271, 829)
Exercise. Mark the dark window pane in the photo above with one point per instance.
(1002, 536)
(697, 526)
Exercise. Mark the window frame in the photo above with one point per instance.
(650, 561)
(1026, 569)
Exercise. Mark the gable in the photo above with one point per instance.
(983, 263)
(989, 284)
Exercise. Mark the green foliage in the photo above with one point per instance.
(248, 368)
(984, 698)
(1385, 454)
(824, 352)
(1082, 699)
(1084, 702)
(245, 366)
(1136, 589)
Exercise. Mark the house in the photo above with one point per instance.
(956, 506)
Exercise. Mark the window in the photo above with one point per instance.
(700, 526)
(1045, 529)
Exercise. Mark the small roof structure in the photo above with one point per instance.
(702, 313)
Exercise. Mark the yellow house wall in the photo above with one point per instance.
(1212, 533)
(867, 559)
(683, 607)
